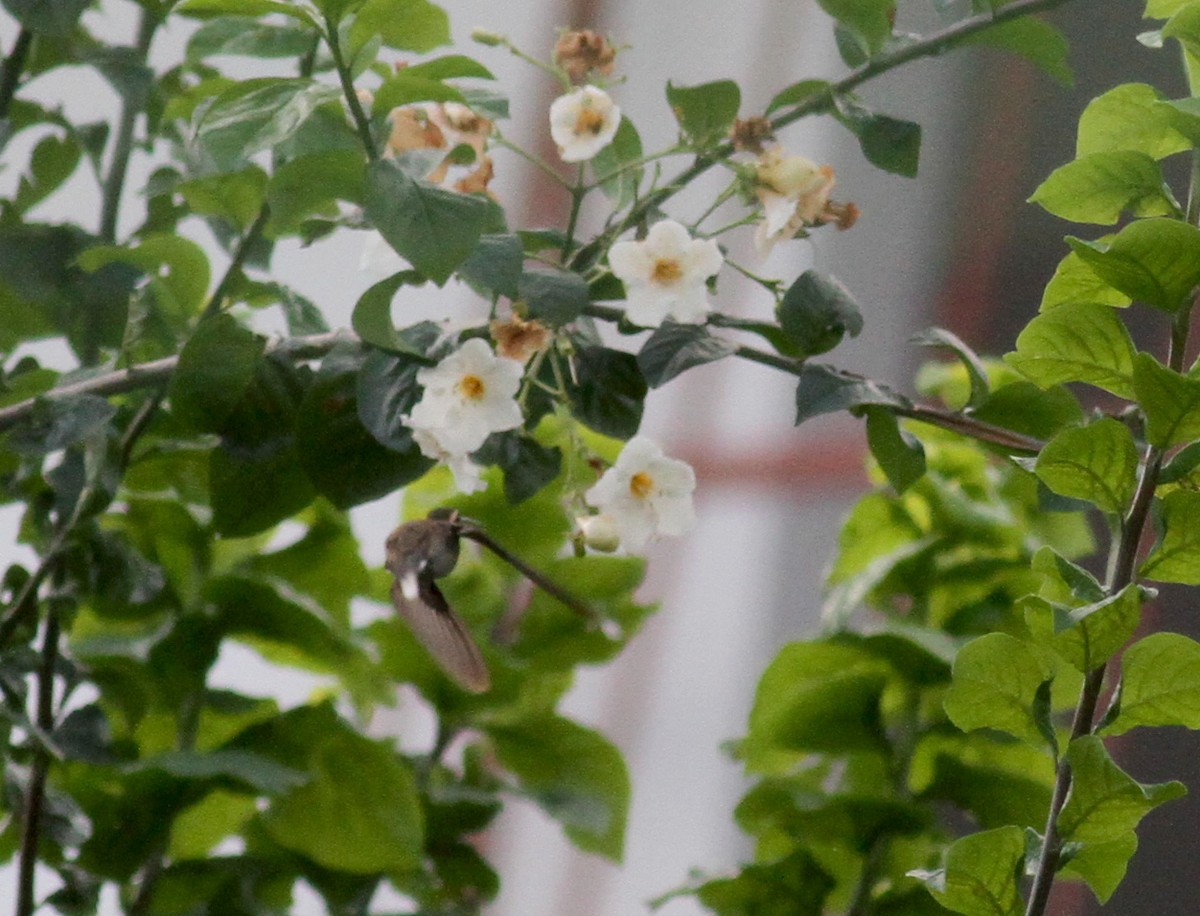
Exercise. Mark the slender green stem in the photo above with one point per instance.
(14, 64)
(712, 208)
(1121, 575)
(36, 792)
(533, 160)
(559, 76)
(253, 234)
(114, 181)
(578, 191)
(361, 124)
(644, 161)
(932, 45)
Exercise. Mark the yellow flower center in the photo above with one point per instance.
(667, 271)
(472, 387)
(589, 121)
(641, 484)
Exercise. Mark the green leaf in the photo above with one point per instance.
(976, 371)
(527, 464)
(981, 875)
(372, 318)
(870, 20)
(1160, 685)
(1129, 117)
(1105, 803)
(1163, 9)
(706, 112)
(57, 422)
(1025, 408)
(54, 20)
(234, 35)
(341, 458)
(554, 296)
(1092, 634)
(52, 162)
(359, 813)
(405, 88)
(200, 827)
(495, 266)
(816, 312)
(1176, 556)
(816, 697)
(310, 185)
(261, 774)
(899, 453)
(1102, 865)
(255, 115)
(1076, 343)
(1155, 261)
(608, 391)
(235, 196)
(245, 8)
(1075, 282)
(614, 167)
(798, 94)
(387, 393)
(674, 348)
(216, 368)
(255, 487)
(1097, 463)
(1099, 187)
(178, 266)
(823, 389)
(434, 229)
(1181, 465)
(996, 684)
(1064, 581)
(1170, 401)
(795, 885)
(889, 143)
(574, 774)
(1034, 39)
(406, 25)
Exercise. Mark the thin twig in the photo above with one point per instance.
(114, 182)
(361, 124)
(249, 240)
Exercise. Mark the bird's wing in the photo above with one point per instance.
(443, 634)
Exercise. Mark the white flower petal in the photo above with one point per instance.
(583, 122)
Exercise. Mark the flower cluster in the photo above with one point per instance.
(444, 126)
(468, 396)
(794, 192)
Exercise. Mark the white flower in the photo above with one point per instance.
(583, 122)
(467, 474)
(646, 494)
(468, 396)
(793, 192)
(665, 274)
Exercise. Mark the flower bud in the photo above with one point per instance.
(599, 532)
(488, 37)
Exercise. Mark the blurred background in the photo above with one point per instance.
(956, 247)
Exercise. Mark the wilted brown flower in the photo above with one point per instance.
(476, 182)
(751, 134)
(842, 215)
(579, 51)
(517, 338)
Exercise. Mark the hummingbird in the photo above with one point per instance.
(421, 551)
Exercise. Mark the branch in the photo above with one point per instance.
(249, 240)
(114, 182)
(10, 76)
(158, 371)
(930, 46)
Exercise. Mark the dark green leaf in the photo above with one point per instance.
(891, 144)
(254, 487)
(554, 296)
(976, 372)
(1155, 261)
(434, 229)
(57, 422)
(234, 35)
(527, 464)
(674, 348)
(613, 166)
(310, 185)
(823, 389)
(706, 112)
(817, 312)
(900, 454)
(342, 459)
(607, 391)
(574, 774)
(795, 885)
(216, 368)
(871, 20)
(495, 266)
(55, 19)
(1182, 463)
(1034, 39)
(51, 164)
(258, 773)
(372, 319)
(798, 94)
(387, 393)
(178, 268)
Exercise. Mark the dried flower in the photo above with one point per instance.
(519, 339)
(579, 51)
